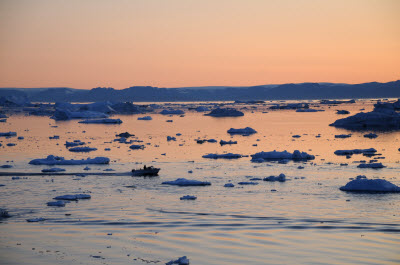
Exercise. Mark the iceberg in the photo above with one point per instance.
(57, 203)
(53, 169)
(370, 185)
(136, 147)
(181, 261)
(243, 131)
(172, 112)
(74, 143)
(280, 178)
(228, 112)
(371, 165)
(222, 142)
(73, 197)
(275, 155)
(186, 182)
(57, 160)
(83, 149)
(68, 115)
(102, 121)
(8, 134)
(188, 197)
(224, 156)
(355, 151)
(145, 118)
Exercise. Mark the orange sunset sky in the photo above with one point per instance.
(170, 43)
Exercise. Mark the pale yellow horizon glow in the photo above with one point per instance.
(171, 43)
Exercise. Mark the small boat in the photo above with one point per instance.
(146, 171)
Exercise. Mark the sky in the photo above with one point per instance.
(179, 43)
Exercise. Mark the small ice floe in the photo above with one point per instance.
(169, 121)
(145, 118)
(222, 142)
(4, 213)
(136, 146)
(369, 151)
(343, 112)
(309, 110)
(188, 197)
(56, 203)
(20, 138)
(15, 178)
(58, 160)
(296, 136)
(83, 149)
(343, 136)
(125, 135)
(180, 261)
(53, 169)
(247, 183)
(8, 134)
(35, 220)
(300, 167)
(229, 185)
(280, 178)
(102, 121)
(11, 144)
(6, 166)
(87, 168)
(371, 165)
(228, 112)
(186, 182)
(242, 131)
(54, 137)
(73, 197)
(275, 155)
(371, 135)
(108, 169)
(223, 156)
(370, 185)
(3, 120)
(171, 138)
(172, 112)
(74, 143)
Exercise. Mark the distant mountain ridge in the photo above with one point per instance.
(210, 93)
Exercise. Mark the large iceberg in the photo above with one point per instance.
(370, 185)
(383, 116)
(57, 160)
(228, 112)
(275, 155)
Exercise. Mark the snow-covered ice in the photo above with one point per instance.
(57, 160)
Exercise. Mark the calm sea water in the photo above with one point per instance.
(136, 220)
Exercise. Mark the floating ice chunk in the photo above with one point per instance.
(275, 155)
(53, 169)
(8, 134)
(171, 138)
(342, 112)
(280, 178)
(57, 160)
(229, 185)
(245, 131)
(355, 151)
(186, 182)
(222, 142)
(370, 135)
(224, 156)
(145, 118)
(188, 197)
(102, 121)
(74, 143)
(172, 112)
(370, 185)
(181, 261)
(228, 112)
(11, 144)
(371, 165)
(57, 204)
(211, 140)
(296, 136)
(309, 110)
(343, 136)
(125, 135)
(136, 146)
(4, 213)
(73, 197)
(82, 149)
(21, 138)
(35, 220)
(247, 183)
(6, 166)
(55, 137)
